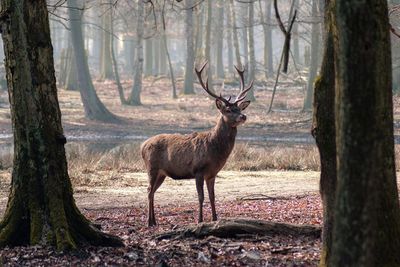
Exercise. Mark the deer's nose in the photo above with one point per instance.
(243, 117)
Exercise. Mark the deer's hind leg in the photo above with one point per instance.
(155, 180)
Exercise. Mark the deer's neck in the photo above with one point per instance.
(223, 136)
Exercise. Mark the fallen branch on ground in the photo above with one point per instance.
(228, 228)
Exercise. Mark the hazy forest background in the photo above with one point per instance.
(134, 78)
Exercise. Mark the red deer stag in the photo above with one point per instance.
(197, 155)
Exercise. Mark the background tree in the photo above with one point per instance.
(134, 97)
(41, 209)
(315, 40)
(367, 214)
(93, 107)
(188, 87)
(106, 71)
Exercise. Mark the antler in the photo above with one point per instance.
(243, 91)
(205, 85)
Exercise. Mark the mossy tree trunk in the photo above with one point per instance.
(325, 135)
(40, 208)
(94, 108)
(367, 214)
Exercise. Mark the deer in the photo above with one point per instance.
(199, 155)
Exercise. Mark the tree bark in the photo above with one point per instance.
(134, 97)
(295, 36)
(314, 58)
(220, 40)
(252, 56)
(367, 214)
(106, 71)
(188, 87)
(148, 59)
(324, 133)
(40, 209)
(235, 35)
(268, 51)
(115, 63)
(229, 40)
(208, 44)
(94, 109)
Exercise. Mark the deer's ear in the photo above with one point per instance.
(220, 105)
(244, 105)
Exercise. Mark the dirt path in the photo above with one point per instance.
(129, 189)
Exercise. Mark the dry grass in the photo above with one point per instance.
(126, 158)
(85, 164)
(248, 158)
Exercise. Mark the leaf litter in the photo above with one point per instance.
(142, 248)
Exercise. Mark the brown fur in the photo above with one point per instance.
(197, 155)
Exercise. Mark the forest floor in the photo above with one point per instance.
(120, 207)
(116, 199)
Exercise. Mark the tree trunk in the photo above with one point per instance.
(229, 40)
(94, 109)
(106, 71)
(245, 37)
(220, 40)
(156, 50)
(252, 56)
(40, 209)
(235, 35)
(295, 36)
(268, 52)
(115, 63)
(188, 87)
(314, 58)
(367, 214)
(324, 133)
(71, 81)
(208, 44)
(148, 59)
(134, 97)
(199, 18)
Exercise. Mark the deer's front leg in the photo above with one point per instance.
(210, 188)
(200, 193)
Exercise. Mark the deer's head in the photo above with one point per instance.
(231, 111)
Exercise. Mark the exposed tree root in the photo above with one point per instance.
(228, 228)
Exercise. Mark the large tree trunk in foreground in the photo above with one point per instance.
(325, 134)
(94, 109)
(40, 209)
(367, 214)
